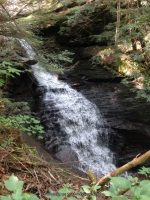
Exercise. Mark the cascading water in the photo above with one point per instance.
(72, 121)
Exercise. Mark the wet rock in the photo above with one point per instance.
(129, 125)
(84, 72)
(40, 91)
(89, 52)
(127, 117)
(29, 61)
(67, 155)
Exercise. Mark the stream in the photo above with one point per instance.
(76, 130)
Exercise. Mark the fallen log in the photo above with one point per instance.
(133, 163)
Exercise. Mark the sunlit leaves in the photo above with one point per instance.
(15, 187)
(13, 184)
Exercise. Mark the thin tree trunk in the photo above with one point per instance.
(135, 162)
(118, 22)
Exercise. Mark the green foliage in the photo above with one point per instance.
(86, 192)
(62, 57)
(25, 123)
(15, 187)
(145, 171)
(95, 60)
(90, 191)
(78, 16)
(145, 91)
(61, 194)
(56, 62)
(6, 71)
(137, 57)
(118, 185)
(121, 188)
(106, 36)
(130, 188)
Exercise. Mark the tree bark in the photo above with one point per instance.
(118, 22)
(135, 162)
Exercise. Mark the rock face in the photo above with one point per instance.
(127, 116)
(19, 87)
(124, 115)
(80, 25)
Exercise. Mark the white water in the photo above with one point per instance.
(88, 123)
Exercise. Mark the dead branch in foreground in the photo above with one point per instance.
(133, 163)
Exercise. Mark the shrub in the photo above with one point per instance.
(25, 123)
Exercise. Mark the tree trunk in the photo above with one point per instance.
(118, 22)
(135, 162)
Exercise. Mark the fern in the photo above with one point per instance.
(6, 71)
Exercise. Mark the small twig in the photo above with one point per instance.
(22, 164)
(48, 179)
(52, 176)
(38, 183)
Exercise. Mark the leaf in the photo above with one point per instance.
(95, 188)
(54, 196)
(17, 195)
(5, 197)
(93, 197)
(120, 183)
(107, 193)
(119, 198)
(65, 190)
(13, 184)
(144, 171)
(86, 189)
(71, 198)
(144, 197)
(133, 180)
(145, 187)
(2, 82)
(135, 191)
(28, 196)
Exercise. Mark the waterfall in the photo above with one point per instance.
(72, 121)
